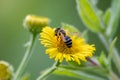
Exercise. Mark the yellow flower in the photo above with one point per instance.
(57, 49)
(5, 71)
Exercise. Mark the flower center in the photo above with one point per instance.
(62, 47)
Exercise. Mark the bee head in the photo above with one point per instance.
(59, 31)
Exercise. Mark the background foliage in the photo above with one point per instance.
(13, 35)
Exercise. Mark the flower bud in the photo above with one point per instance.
(35, 23)
(5, 71)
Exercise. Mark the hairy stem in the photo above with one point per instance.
(25, 58)
(48, 71)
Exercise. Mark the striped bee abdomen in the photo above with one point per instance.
(68, 41)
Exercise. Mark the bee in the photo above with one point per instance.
(66, 39)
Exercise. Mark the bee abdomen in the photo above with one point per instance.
(68, 42)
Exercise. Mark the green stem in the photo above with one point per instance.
(49, 71)
(106, 41)
(25, 58)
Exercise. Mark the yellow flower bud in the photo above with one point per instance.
(35, 23)
(5, 71)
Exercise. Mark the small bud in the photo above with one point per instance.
(5, 71)
(35, 23)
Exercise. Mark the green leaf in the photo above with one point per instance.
(106, 17)
(89, 16)
(103, 60)
(73, 72)
(93, 70)
(110, 55)
(115, 15)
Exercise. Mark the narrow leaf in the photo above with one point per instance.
(77, 74)
(103, 60)
(106, 17)
(93, 70)
(110, 55)
(115, 15)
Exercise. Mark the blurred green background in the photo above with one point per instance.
(13, 36)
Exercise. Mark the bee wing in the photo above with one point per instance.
(75, 34)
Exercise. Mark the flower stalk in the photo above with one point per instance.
(25, 58)
(49, 71)
(92, 62)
